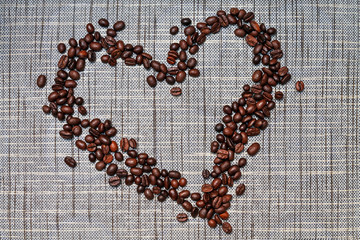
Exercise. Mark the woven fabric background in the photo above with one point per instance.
(304, 183)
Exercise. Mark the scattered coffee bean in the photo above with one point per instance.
(182, 217)
(299, 86)
(227, 227)
(70, 161)
(175, 91)
(185, 21)
(253, 149)
(174, 30)
(114, 181)
(41, 81)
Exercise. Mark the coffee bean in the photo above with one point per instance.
(182, 217)
(212, 223)
(227, 227)
(205, 174)
(136, 171)
(299, 86)
(80, 144)
(66, 134)
(148, 194)
(114, 181)
(61, 47)
(206, 188)
(41, 81)
(180, 76)
(151, 80)
(70, 161)
(186, 21)
(194, 49)
(175, 91)
(124, 144)
(174, 30)
(240, 190)
(252, 41)
(194, 72)
(103, 22)
(187, 206)
(170, 80)
(111, 170)
(279, 95)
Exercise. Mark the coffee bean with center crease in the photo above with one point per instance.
(206, 188)
(41, 81)
(70, 161)
(240, 189)
(114, 181)
(66, 134)
(174, 174)
(180, 76)
(299, 86)
(206, 173)
(175, 91)
(252, 41)
(279, 95)
(80, 144)
(111, 170)
(187, 206)
(227, 227)
(182, 217)
(124, 144)
(63, 61)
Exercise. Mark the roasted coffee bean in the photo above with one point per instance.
(299, 86)
(253, 149)
(111, 170)
(175, 91)
(100, 166)
(185, 21)
(240, 190)
(180, 76)
(242, 162)
(195, 196)
(114, 181)
(66, 134)
(151, 80)
(70, 161)
(61, 47)
(184, 194)
(148, 194)
(80, 144)
(279, 95)
(103, 22)
(124, 144)
(227, 227)
(205, 174)
(63, 61)
(41, 81)
(182, 217)
(252, 41)
(174, 174)
(187, 206)
(212, 223)
(111, 32)
(206, 188)
(194, 49)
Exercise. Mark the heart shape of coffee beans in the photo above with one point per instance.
(244, 118)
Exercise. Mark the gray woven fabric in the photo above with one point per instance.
(303, 184)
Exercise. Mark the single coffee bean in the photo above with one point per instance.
(279, 95)
(41, 81)
(206, 174)
(111, 170)
(175, 91)
(227, 227)
(114, 181)
(194, 72)
(186, 21)
(180, 76)
(252, 41)
(170, 80)
(206, 188)
(80, 144)
(124, 144)
(299, 86)
(70, 161)
(240, 190)
(61, 47)
(103, 22)
(132, 143)
(212, 223)
(174, 30)
(182, 217)
(148, 194)
(66, 134)
(242, 162)
(253, 149)
(151, 80)
(187, 206)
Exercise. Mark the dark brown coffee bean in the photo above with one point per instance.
(114, 181)
(66, 134)
(175, 91)
(227, 227)
(279, 95)
(111, 170)
(70, 161)
(180, 76)
(187, 206)
(148, 194)
(136, 171)
(194, 49)
(206, 188)
(182, 217)
(212, 223)
(185, 21)
(151, 80)
(252, 41)
(240, 190)
(80, 144)
(205, 174)
(174, 30)
(41, 81)
(63, 61)
(174, 174)
(299, 86)
(103, 22)
(194, 72)
(253, 149)
(195, 196)
(61, 47)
